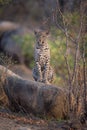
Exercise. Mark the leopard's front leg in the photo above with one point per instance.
(46, 72)
(39, 72)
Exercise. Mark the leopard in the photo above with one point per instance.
(42, 71)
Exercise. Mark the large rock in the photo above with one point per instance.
(22, 71)
(7, 25)
(34, 97)
(9, 41)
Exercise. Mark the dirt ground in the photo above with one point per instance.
(17, 121)
(9, 124)
(18, 124)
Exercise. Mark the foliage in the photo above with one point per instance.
(58, 49)
(5, 2)
(27, 43)
(73, 26)
(7, 62)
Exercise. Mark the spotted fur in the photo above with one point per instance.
(42, 71)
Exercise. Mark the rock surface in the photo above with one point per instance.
(22, 71)
(34, 97)
(9, 44)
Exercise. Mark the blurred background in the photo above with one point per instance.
(63, 19)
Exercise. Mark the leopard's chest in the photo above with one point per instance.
(42, 55)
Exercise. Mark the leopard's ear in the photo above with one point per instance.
(36, 32)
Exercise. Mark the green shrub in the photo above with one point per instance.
(26, 43)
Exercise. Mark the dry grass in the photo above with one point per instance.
(3, 98)
(7, 62)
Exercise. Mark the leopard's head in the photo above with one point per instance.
(41, 37)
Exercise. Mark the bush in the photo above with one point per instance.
(27, 45)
